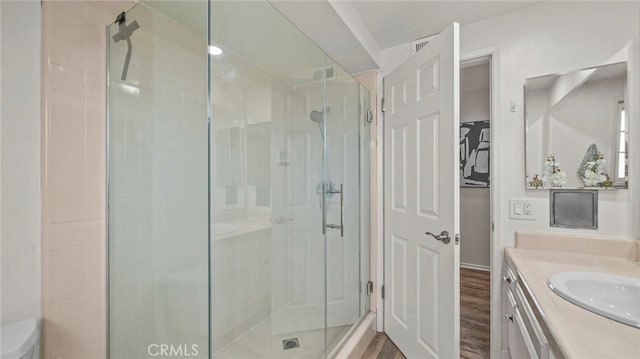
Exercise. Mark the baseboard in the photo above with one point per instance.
(475, 266)
(357, 344)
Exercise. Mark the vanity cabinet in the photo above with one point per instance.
(522, 335)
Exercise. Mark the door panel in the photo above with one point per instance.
(398, 168)
(427, 165)
(399, 275)
(421, 155)
(428, 273)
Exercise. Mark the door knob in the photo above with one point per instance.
(443, 236)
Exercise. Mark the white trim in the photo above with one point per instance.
(352, 20)
(474, 61)
(615, 154)
(495, 212)
(359, 340)
(475, 266)
(380, 205)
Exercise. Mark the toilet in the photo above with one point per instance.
(20, 340)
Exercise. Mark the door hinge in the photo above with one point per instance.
(382, 291)
(493, 227)
(369, 288)
(382, 105)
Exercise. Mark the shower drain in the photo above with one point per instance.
(290, 343)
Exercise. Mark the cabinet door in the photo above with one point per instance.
(537, 336)
(520, 344)
(508, 335)
(505, 320)
(507, 312)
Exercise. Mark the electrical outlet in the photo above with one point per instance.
(522, 208)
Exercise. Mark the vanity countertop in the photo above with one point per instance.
(240, 227)
(577, 332)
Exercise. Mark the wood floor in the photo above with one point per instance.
(474, 321)
(382, 347)
(475, 306)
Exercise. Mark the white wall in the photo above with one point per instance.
(543, 39)
(474, 202)
(20, 152)
(548, 38)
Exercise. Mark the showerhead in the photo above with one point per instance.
(316, 116)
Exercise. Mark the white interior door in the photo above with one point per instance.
(421, 181)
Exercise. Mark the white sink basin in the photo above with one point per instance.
(612, 296)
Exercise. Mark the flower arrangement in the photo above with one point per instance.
(536, 182)
(594, 175)
(552, 175)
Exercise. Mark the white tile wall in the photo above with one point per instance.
(158, 188)
(73, 169)
(20, 149)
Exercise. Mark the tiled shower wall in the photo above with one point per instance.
(158, 192)
(73, 176)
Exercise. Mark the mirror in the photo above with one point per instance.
(576, 129)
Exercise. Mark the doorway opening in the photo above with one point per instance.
(475, 207)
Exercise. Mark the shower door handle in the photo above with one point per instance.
(324, 207)
(341, 225)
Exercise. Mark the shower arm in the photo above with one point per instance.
(127, 58)
(124, 33)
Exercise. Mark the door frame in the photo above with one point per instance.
(495, 211)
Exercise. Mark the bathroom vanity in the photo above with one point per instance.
(537, 323)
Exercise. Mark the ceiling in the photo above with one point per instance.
(393, 23)
(353, 33)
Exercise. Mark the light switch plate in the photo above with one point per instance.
(522, 208)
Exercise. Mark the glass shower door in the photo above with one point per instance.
(298, 252)
(285, 279)
(157, 184)
(343, 207)
(267, 246)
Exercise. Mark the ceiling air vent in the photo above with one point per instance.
(321, 73)
(420, 43)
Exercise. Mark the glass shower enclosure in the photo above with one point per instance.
(238, 184)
